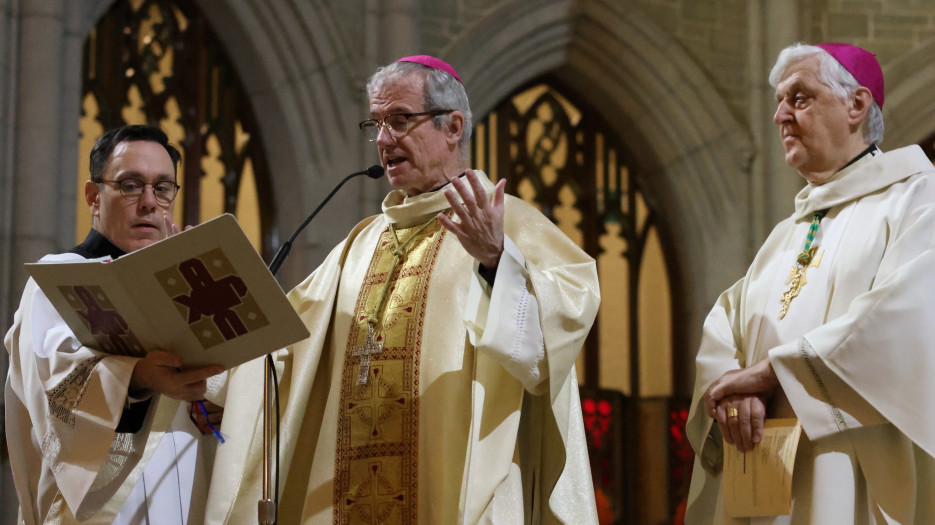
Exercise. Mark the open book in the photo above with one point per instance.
(204, 294)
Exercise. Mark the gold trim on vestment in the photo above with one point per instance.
(376, 452)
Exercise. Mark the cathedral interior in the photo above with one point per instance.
(642, 128)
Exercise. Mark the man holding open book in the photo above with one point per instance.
(93, 435)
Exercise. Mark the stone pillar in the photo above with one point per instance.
(9, 33)
(37, 177)
(399, 29)
(40, 75)
(41, 145)
(774, 184)
(391, 31)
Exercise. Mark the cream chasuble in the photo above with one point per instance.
(469, 412)
(852, 354)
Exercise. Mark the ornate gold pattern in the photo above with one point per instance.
(797, 280)
(65, 397)
(376, 456)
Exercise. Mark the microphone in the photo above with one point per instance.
(374, 172)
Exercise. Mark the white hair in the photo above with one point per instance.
(441, 91)
(835, 76)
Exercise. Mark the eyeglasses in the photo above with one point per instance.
(395, 124)
(131, 189)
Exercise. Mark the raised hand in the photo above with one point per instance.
(479, 227)
(171, 227)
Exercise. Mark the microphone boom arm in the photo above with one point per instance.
(374, 172)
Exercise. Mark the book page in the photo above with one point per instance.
(93, 303)
(759, 482)
(204, 294)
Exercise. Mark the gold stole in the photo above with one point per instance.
(376, 453)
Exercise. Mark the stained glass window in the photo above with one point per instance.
(158, 62)
(560, 155)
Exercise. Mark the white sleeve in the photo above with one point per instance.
(75, 397)
(503, 320)
(823, 403)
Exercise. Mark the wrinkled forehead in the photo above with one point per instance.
(405, 93)
(800, 73)
(395, 79)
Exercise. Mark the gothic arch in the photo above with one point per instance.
(696, 153)
(909, 109)
(294, 68)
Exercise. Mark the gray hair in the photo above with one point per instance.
(442, 91)
(832, 74)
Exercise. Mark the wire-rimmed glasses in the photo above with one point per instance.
(395, 124)
(132, 189)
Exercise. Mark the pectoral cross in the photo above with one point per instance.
(370, 348)
(797, 279)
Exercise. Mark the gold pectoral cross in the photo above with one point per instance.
(797, 279)
(370, 348)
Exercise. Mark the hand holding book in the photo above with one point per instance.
(204, 294)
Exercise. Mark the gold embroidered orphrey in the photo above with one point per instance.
(372, 345)
(376, 453)
(797, 279)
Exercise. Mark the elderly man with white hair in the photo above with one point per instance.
(438, 385)
(833, 322)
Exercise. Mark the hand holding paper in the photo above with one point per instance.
(741, 419)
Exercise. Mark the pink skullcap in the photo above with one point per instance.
(860, 63)
(433, 63)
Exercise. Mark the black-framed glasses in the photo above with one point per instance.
(132, 188)
(396, 124)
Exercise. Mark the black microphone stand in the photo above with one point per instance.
(374, 172)
(267, 507)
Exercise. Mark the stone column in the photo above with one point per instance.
(37, 170)
(772, 27)
(40, 68)
(9, 33)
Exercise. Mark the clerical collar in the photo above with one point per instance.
(437, 188)
(96, 245)
(871, 150)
